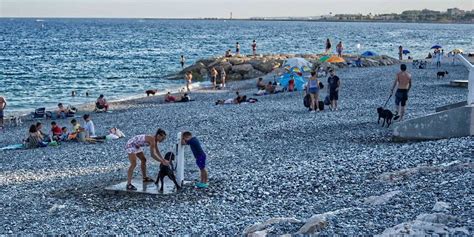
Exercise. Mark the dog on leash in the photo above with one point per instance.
(386, 115)
(150, 92)
(441, 74)
(166, 170)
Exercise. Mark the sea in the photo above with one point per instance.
(43, 60)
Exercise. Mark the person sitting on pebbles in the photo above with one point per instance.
(237, 100)
(260, 84)
(135, 151)
(169, 98)
(180, 98)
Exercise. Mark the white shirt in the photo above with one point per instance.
(90, 129)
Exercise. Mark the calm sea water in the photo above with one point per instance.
(42, 61)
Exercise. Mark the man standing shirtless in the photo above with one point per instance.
(403, 84)
(3, 104)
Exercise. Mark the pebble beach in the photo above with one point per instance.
(270, 159)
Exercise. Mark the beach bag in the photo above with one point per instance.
(307, 100)
(327, 101)
(321, 105)
(321, 85)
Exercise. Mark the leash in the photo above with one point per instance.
(387, 100)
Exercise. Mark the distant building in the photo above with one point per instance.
(348, 17)
(385, 17)
(455, 12)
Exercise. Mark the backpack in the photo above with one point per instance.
(307, 100)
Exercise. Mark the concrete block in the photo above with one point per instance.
(143, 188)
(457, 122)
(451, 106)
(459, 83)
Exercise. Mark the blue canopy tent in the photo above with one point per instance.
(369, 54)
(285, 79)
(406, 51)
(436, 46)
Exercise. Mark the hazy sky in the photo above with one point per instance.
(214, 8)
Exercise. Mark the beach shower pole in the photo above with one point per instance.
(470, 68)
(180, 161)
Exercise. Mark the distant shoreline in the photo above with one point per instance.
(242, 19)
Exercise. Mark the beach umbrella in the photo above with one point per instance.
(436, 46)
(297, 62)
(406, 51)
(336, 59)
(369, 54)
(306, 69)
(324, 58)
(457, 51)
(284, 80)
(295, 69)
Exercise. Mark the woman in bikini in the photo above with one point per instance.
(134, 150)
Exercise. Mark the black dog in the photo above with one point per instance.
(150, 92)
(386, 115)
(441, 74)
(166, 170)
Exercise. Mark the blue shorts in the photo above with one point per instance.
(1, 114)
(201, 161)
(401, 97)
(314, 90)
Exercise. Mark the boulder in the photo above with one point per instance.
(318, 222)
(382, 199)
(224, 64)
(234, 77)
(422, 228)
(194, 68)
(242, 69)
(441, 207)
(254, 73)
(207, 61)
(236, 60)
(258, 228)
(265, 65)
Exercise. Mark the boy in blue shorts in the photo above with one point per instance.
(188, 139)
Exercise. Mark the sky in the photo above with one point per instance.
(215, 8)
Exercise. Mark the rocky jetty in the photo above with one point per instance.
(248, 67)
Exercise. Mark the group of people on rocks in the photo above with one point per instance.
(339, 47)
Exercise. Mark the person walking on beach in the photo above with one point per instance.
(237, 48)
(400, 52)
(223, 75)
(214, 74)
(334, 85)
(182, 61)
(135, 151)
(438, 57)
(188, 139)
(188, 77)
(254, 48)
(3, 105)
(339, 49)
(328, 46)
(403, 84)
(313, 90)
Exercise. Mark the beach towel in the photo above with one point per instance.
(13, 147)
